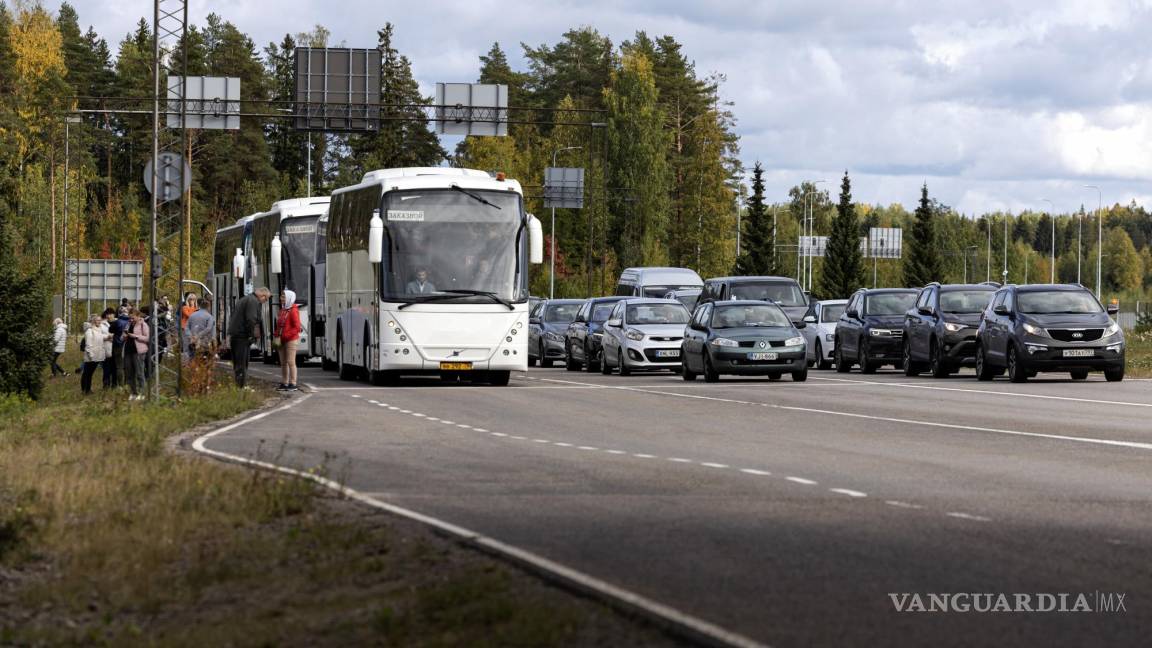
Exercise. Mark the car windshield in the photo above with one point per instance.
(785, 294)
(749, 315)
(832, 312)
(660, 291)
(600, 312)
(561, 312)
(965, 301)
(1073, 302)
(657, 314)
(890, 303)
(443, 241)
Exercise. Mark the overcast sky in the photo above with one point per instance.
(995, 104)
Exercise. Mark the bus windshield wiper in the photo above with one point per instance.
(474, 196)
(453, 294)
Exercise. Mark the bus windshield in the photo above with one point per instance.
(298, 236)
(440, 241)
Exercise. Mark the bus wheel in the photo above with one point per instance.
(346, 371)
(498, 378)
(384, 378)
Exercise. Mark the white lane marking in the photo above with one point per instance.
(418, 414)
(849, 493)
(577, 579)
(541, 440)
(801, 480)
(464, 426)
(357, 396)
(393, 408)
(433, 418)
(711, 464)
(514, 436)
(563, 445)
(899, 504)
(588, 448)
(991, 392)
(374, 402)
(753, 471)
(889, 419)
(404, 411)
(968, 516)
(498, 434)
(480, 429)
(641, 455)
(679, 460)
(447, 422)
(615, 452)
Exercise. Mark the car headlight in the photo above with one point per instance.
(794, 341)
(1112, 329)
(1034, 330)
(879, 332)
(953, 327)
(555, 337)
(829, 337)
(724, 342)
(635, 335)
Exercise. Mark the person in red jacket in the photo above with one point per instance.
(288, 334)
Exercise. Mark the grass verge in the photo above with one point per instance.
(107, 538)
(1138, 354)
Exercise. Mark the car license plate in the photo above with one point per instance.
(455, 366)
(766, 355)
(668, 353)
(1079, 353)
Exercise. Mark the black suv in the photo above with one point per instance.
(1048, 327)
(870, 333)
(940, 330)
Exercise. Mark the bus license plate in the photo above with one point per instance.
(1079, 353)
(668, 353)
(455, 366)
(766, 355)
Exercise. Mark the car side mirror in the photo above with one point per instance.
(925, 310)
(1001, 310)
(696, 326)
(811, 319)
(1112, 309)
(802, 323)
(614, 323)
(534, 320)
(854, 314)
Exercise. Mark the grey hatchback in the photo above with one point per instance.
(748, 338)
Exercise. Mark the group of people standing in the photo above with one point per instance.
(245, 327)
(117, 341)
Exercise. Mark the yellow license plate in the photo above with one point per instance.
(455, 366)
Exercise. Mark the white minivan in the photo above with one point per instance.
(656, 282)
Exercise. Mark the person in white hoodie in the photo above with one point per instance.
(60, 344)
(94, 352)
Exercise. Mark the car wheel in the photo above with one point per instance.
(910, 368)
(710, 373)
(590, 364)
(983, 371)
(532, 359)
(842, 365)
(1079, 374)
(1016, 373)
(544, 361)
(1114, 375)
(686, 373)
(821, 362)
(624, 370)
(800, 376)
(865, 366)
(569, 363)
(936, 365)
(605, 368)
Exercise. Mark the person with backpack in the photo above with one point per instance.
(287, 338)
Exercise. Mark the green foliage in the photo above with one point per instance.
(758, 254)
(25, 339)
(843, 267)
(922, 264)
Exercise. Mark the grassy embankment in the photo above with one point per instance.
(109, 538)
(1139, 355)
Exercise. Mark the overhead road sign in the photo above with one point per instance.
(564, 187)
(472, 109)
(337, 89)
(210, 103)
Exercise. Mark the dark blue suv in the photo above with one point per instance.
(870, 333)
(1048, 327)
(940, 330)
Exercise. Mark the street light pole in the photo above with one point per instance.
(1052, 241)
(810, 266)
(1099, 236)
(552, 264)
(68, 121)
(1005, 276)
(988, 256)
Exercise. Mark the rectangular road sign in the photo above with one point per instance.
(472, 109)
(885, 242)
(211, 103)
(105, 280)
(564, 187)
(337, 89)
(813, 246)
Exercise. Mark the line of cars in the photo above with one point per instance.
(768, 326)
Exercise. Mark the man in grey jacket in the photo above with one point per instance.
(243, 328)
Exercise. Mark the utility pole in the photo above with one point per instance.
(1005, 249)
(68, 121)
(552, 268)
(988, 256)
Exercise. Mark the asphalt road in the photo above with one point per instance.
(787, 512)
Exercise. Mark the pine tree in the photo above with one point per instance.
(758, 252)
(922, 264)
(843, 267)
(25, 342)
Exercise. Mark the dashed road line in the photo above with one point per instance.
(712, 464)
(753, 471)
(849, 493)
(801, 480)
(906, 505)
(679, 460)
(968, 516)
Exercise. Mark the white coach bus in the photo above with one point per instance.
(427, 273)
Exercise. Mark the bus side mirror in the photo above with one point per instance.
(238, 264)
(535, 240)
(375, 239)
(275, 260)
